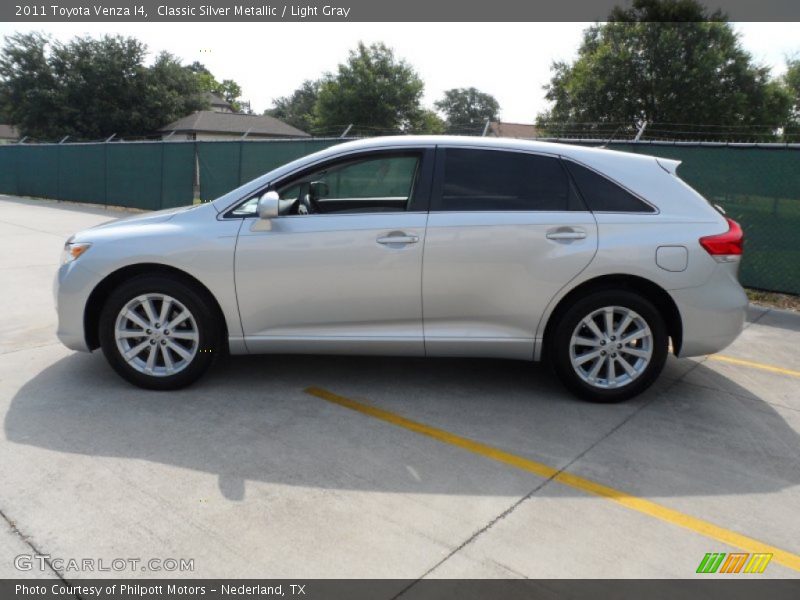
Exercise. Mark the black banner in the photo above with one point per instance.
(43, 11)
(315, 589)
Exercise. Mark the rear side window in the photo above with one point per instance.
(494, 180)
(603, 195)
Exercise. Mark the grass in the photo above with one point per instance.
(773, 299)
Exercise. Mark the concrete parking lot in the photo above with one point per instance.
(291, 466)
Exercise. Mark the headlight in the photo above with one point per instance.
(73, 250)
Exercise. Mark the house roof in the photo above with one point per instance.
(513, 130)
(209, 121)
(8, 132)
(213, 99)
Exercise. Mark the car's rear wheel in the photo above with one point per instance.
(609, 346)
(158, 333)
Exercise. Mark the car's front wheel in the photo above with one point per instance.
(609, 346)
(158, 333)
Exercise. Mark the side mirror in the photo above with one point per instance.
(268, 205)
(318, 189)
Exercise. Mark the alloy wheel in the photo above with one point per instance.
(611, 347)
(156, 335)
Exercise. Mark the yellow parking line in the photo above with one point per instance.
(754, 365)
(652, 509)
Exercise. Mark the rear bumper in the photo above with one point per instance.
(713, 313)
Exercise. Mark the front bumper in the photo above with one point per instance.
(713, 314)
(71, 289)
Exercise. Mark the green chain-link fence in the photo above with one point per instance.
(757, 186)
(146, 175)
(226, 165)
(136, 175)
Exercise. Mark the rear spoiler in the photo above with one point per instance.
(669, 165)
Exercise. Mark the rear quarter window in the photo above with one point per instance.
(603, 195)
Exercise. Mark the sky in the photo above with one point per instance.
(508, 60)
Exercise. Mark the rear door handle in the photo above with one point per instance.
(398, 239)
(566, 233)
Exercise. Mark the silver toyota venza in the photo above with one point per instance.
(419, 246)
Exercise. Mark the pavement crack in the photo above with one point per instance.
(628, 419)
(28, 542)
(757, 319)
(546, 481)
(29, 348)
(32, 228)
(474, 536)
(748, 397)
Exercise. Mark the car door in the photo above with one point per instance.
(344, 277)
(506, 231)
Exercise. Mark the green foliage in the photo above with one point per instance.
(230, 90)
(667, 62)
(297, 109)
(427, 122)
(792, 78)
(665, 11)
(370, 73)
(466, 110)
(792, 82)
(91, 88)
(29, 94)
(227, 89)
(373, 90)
(172, 90)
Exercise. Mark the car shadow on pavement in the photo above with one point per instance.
(250, 420)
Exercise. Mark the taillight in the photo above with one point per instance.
(725, 246)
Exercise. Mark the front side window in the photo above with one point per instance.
(383, 183)
(376, 184)
(495, 180)
(390, 177)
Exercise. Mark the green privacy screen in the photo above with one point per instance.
(37, 171)
(227, 165)
(8, 169)
(759, 187)
(82, 173)
(149, 175)
(146, 175)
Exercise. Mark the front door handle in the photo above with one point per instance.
(566, 233)
(398, 238)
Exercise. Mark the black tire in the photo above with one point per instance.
(558, 348)
(193, 299)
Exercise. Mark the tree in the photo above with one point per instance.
(667, 62)
(172, 90)
(227, 89)
(466, 110)
(29, 94)
(426, 122)
(372, 90)
(792, 81)
(91, 88)
(297, 109)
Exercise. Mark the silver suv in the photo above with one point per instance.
(419, 246)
